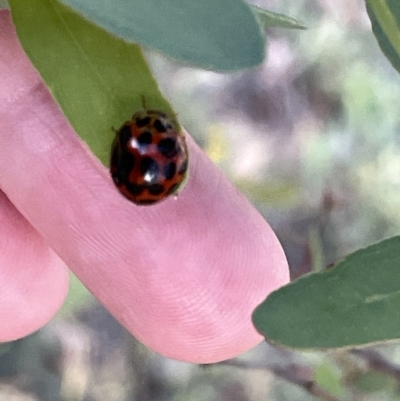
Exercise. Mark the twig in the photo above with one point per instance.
(293, 373)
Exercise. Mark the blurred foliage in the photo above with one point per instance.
(329, 377)
(372, 382)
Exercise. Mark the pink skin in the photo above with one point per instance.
(182, 276)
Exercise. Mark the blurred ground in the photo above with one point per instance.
(312, 138)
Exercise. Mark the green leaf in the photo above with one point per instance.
(385, 19)
(356, 302)
(271, 19)
(372, 382)
(215, 34)
(329, 378)
(97, 79)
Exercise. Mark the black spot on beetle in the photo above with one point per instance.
(170, 170)
(146, 138)
(159, 126)
(167, 147)
(156, 189)
(149, 167)
(134, 189)
(122, 163)
(124, 135)
(142, 122)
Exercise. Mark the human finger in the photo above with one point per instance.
(183, 275)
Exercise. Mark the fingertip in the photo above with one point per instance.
(34, 281)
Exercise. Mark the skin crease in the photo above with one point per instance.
(182, 276)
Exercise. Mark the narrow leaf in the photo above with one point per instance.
(97, 79)
(385, 19)
(215, 34)
(271, 19)
(354, 303)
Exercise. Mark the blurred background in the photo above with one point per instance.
(311, 137)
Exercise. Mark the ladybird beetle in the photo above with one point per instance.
(149, 158)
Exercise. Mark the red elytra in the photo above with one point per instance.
(149, 158)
